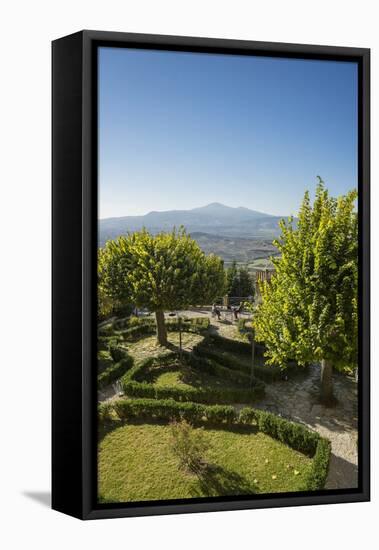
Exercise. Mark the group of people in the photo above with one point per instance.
(235, 310)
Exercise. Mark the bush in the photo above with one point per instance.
(295, 435)
(187, 445)
(219, 414)
(235, 346)
(265, 373)
(160, 410)
(114, 372)
(104, 411)
(134, 383)
(106, 330)
(136, 332)
(169, 409)
(136, 327)
(104, 360)
(320, 466)
(197, 395)
(117, 353)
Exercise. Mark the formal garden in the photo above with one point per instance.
(195, 404)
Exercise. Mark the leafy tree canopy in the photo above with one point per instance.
(161, 272)
(239, 282)
(309, 310)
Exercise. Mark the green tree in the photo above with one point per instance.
(309, 309)
(161, 272)
(239, 282)
(246, 282)
(232, 279)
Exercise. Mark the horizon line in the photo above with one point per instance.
(195, 208)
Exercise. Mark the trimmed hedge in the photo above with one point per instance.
(133, 383)
(117, 353)
(135, 333)
(169, 409)
(104, 360)
(320, 466)
(294, 435)
(115, 371)
(146, 327)
(211, 366)
(212, 345)
(197, 395)
(208, 349)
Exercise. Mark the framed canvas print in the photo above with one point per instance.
(210, 274)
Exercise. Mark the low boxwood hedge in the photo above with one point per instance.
(115, 371)
(294, 435)
(104, 360)
(146, 327)
(133, 383)
(213, 346)
(210, 349)
(169, 409)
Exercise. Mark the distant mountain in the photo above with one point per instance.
(213, 219)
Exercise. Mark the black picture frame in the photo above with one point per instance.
(74, 206)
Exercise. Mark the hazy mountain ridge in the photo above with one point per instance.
(213, 219)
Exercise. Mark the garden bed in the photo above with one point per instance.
(188, 377)
(251, 453)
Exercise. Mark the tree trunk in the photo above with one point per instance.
(161, 328)
(326, 381)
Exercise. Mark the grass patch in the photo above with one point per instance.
(185, 376)
(136, 463)
(194, 379)
(149, 347)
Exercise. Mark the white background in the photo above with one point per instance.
(26, 31)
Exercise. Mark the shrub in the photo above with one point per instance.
(320, 466)
(215, 347)
(104, 411)
(114, 372)
(295, 435)
(104, 360)
(187, 445)
(106, 330)
(117, 353)
(266, 373)
(134, 384)
(169, 409)
(218, 414)
(197, 395)
(158, 409)
(136, 332)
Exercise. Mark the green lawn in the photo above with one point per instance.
(136, 464)
(149, 347)
(184, 376)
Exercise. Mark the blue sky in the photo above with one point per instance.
(180, 130)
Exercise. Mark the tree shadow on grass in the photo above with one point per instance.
(214, 480)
